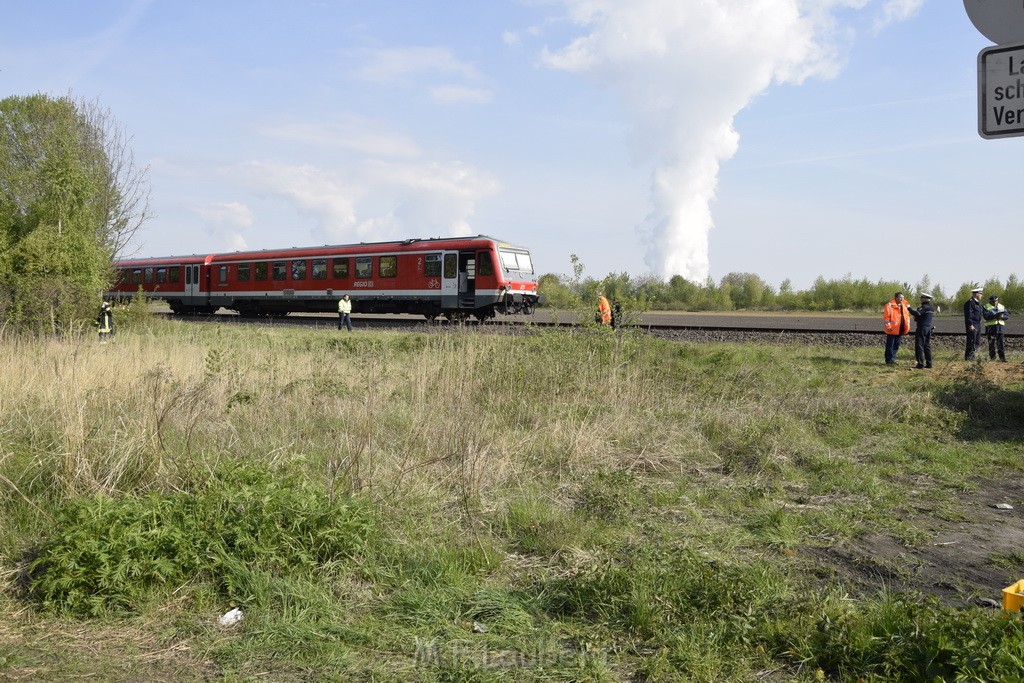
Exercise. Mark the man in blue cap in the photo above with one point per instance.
(972, 323)
(924, 316)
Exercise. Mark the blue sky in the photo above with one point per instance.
(788, 138)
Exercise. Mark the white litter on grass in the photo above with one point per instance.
(1003, 506)
(231, 618)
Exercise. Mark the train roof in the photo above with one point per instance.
(403, 245)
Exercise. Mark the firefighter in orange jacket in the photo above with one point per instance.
(896, 320)
(604, 310)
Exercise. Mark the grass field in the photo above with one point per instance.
(546, 506)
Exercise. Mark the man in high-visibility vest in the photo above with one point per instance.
(604, 310)
(896, 323)
(345, 313)
(995, 319)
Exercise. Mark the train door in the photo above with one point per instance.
(192, 289)
(467, 279)
(450, 280)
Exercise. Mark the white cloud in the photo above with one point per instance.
(226, 221)
(683, 70)
(378, 199)
(457, 94)
(897, 10)
(397, 64)
(351, 133)
(328, 198)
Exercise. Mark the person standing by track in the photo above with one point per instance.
(345, 313)
(995, 320)
(924, 316)
(972, 323)
(105, 321)
(604, 310)
(896, 323)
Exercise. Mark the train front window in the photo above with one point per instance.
(516, 260)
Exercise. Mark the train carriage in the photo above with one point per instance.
(453, 277)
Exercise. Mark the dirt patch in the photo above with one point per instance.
(968, 560)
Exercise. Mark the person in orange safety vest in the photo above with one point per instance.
(896, 320)
(604, 310)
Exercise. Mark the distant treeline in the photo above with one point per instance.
(747, 291)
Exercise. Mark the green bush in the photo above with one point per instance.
(107, 554)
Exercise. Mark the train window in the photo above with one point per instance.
(319, 269)
(280, 270)
(341, 268)
(433, 265)
(388, 266)
(149, 276)
(223, 275)
(243, 271)
(260, 270)
(161, 275)
(188, 275)
(173, 274)
(451, 265)
(298, 270)
(516, 260)
(364, 266)
(484, 265)
(136, 276)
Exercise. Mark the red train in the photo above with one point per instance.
(454, 277)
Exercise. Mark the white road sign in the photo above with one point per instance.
(1001, 21)
(1001, 91)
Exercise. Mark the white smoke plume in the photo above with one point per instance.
(684, 69)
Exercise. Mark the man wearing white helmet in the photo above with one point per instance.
(105, 321)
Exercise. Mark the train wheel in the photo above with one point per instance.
(455, 316)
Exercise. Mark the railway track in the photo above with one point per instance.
(660, 324)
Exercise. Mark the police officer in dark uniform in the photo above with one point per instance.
(972, 323)
(924, 317)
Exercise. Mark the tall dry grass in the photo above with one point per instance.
(457, 418)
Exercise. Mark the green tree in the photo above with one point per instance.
(70, 199)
